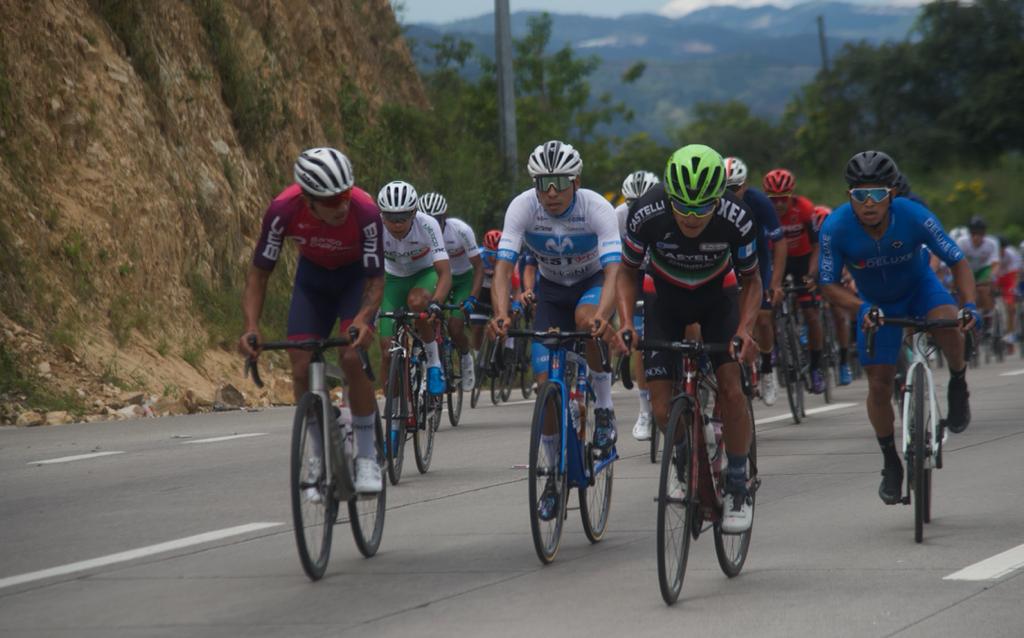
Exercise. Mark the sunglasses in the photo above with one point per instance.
(680, 208)
(335, 200)
(398, 218)
(861, 195)
(560, 182)
(778, 197)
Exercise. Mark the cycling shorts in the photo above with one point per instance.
(556, 308)
(926, 296)
(1007, 283)
(480, 316)
(462, 285)
(718, 314)
(323, 295)
(983, 275)
(798, 267)
(396, 292)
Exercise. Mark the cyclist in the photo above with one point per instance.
(902, 188)
(573, 235)
(339, 277)
(1009, 267)
(771, 258)
(634, 187)
(796, 214)
(891, 276)
(695, 233)
(419, 274)
(839, 317)
(467, 274)
(982, 253)
(488, 258)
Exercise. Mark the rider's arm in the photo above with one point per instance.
(500, 287)
(478, 275)
(963, 279)
(780, 251)
(841, 296)
(750, 299)
(444, 280)
(625, 293)
(253, 296)
(373, 294)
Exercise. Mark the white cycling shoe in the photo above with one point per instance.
(368, 477)
(468, 372)
(769, 387)
(737, 513)
(642, 428)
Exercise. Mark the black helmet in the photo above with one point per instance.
(871, 167)
(901, 185)
(1003, 242)
(977, 224)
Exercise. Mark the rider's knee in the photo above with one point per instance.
(417, 299)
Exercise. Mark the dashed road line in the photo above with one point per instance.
(992, 568)
(77, 457)
(218, 439)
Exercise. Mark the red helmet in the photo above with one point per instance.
(779, 182)
(491, 239)
(820, 213)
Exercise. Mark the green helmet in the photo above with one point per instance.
(695, 175)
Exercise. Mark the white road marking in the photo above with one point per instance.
(992, 568)
(225, 438)
(824, 408)
(77, 457)
(141, 552)
(1012, 373)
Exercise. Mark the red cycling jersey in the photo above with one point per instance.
(358, 238)
(798, 225)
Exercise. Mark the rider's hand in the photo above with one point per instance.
(869, 322)
(469, 305)
(499, 326)
(969, 311)
(775, 296)
(528, 296)
(811, 281)
(434, 309)
(364, 336)
(243, 343)
(749, 348)
(601, 328)
(623, 344)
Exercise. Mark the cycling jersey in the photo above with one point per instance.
(1010, 260)
(489, 258)
(460, 244)
(289, 217)
(798, 226)
(418, 250)
(570, 247)
(771, 232)
(980, 257)
(890, 268)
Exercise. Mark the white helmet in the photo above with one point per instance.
(323, 172)
(735, 172)
(958, 233)
(638, 183)
(554, 158)
(433, 204)
(397, 197)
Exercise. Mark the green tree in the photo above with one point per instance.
(731, 129)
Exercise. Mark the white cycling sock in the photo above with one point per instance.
(433, 360)
(467, 361)
(363, 426)
(602, 382)
(645, 401)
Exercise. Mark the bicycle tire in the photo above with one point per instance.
(481, 372)
(655, 434)
(396, 416)
(428, 416)
(674, 543)
(313, 523)
(547, 535)
(524, 364)
(732, 549)
(508, 376)
(366, 513)
(454, 390)
(998, 346)
(829, 355)
(789, 365)
(918, 437)
(595, 499)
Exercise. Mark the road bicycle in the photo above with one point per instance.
(829, 351)
(322, 476)
(691, 487)
(793, 363)
(562, 454)
(451, 364)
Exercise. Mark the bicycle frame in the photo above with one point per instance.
(919, 347)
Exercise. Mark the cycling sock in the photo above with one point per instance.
(815, 359)
(433, 360)
(467, 361)
(958, 374)
(843, 352)
(602, 383)
(645, 401)
(548, 442)
(363, 425)
(476, 355)
(888, 445)
(509, 343)
(737, 467)
(766, 362)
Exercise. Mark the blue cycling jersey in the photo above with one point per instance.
(890, 268)
(768, 221)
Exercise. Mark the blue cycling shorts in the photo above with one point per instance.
(321, 296)
(926, 296)
(556, 307)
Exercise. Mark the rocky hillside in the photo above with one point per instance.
(139, 145)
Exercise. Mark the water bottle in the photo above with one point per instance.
(574, 413)
(712, 441)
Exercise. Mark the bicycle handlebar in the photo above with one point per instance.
(918, 325)
(310, 345)
(557, 340)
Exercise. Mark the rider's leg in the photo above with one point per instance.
(300, 372)
(733, 403)
(812, 316)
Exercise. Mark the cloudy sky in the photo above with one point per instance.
(447, 10)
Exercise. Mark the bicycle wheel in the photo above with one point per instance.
(397, 411)
(789, 366)
(918, 435)
(366, 512)
(829, 356)
(677, 505)
(731, 549)
(655, 435)
(546, 473)
(428, 416)
(314, 506)
(497, 372)
(454, 390)
(524, 364)
(998, 346)
(481, 363)
(508, 375)
(596, 499)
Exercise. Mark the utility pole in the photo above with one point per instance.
(506, 87)
(822, 44)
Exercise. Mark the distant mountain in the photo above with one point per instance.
(759, 55)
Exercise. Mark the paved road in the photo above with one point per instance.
(217, 557)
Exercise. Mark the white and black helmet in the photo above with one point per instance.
(735, 172)
(323, 172)
(554, 158)
(397, 197)
(638, 183)
(433, 204)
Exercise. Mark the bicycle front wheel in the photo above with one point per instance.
(655, 434)
(829, 356)
(677, 501)
(397, 411)
(731, 549)
(788, 365)
(548, 482)
(454, 392)
(596, 499)
(314, 506)
(428, 418)
(480, 364)
(920, 477)
(366, 512)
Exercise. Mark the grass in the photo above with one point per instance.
(16, 383)
(127, 314)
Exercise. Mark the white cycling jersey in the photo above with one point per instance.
(460, 243)
(418, 250)
(1009, 261)
(987, 254)
(569, 248)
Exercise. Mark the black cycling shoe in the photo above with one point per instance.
(605, 434)
(959, 407)
(891, 489)
(547, 504)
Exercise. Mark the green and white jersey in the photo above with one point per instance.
(460, 243)
(418, 250)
